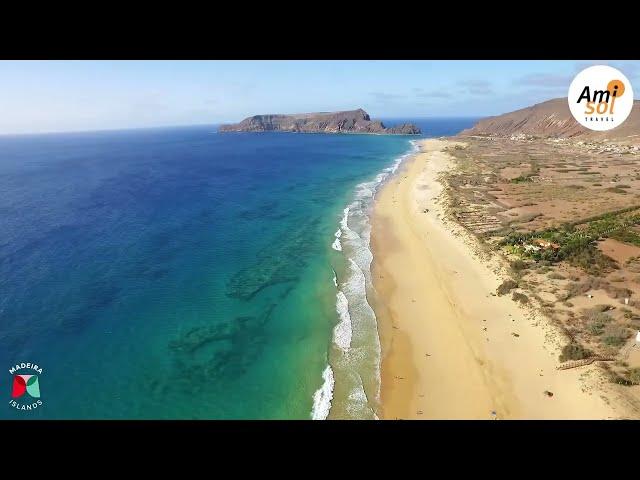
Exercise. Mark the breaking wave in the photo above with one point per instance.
(356, 334)
(323, 396)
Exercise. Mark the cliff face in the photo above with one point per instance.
(552, 119)
(354, 121)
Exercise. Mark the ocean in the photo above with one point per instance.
(177, 273)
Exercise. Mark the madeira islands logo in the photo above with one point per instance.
(25, 388)
(600, 97)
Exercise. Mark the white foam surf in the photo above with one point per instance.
(356, 334)
(323, 396)
(345, 218)
(358, 402)
(342, 332)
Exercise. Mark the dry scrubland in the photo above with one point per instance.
(565, 216)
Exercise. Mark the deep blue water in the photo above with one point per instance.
(175, 273)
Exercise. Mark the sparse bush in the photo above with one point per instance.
(614, 377)
(574, 351)
(634, 376)
(618, 292)
(614, 335)
(522, 179)
(626, 236)
(528, 217)
(579, 288)
(591, 260)
(597, 320)
(602, 307)
(506, 286)
(556, 276)
(520, 297)
(518, 265)
(596, 327)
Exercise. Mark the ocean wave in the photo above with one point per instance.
(356, 333)
(345, 218)
(323, 396)
(342, 332)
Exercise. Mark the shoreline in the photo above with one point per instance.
(351, 380)
(451, 349)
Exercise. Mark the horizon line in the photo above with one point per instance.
(212, 124)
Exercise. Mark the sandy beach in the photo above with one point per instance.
(452, 349)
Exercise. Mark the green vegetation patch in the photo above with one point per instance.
(591, 260)
(522, 179)
(577, 246)
(626, 236)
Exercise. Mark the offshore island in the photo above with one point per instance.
(352, 121)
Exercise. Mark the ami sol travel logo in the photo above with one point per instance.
(600, 97)
(25, 387)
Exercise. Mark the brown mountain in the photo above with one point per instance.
(553, 119)
(353, 121)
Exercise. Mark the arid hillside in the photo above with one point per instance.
(553, 119)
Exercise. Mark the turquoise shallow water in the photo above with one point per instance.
(175, 273)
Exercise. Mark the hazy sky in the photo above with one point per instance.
(46, 96)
